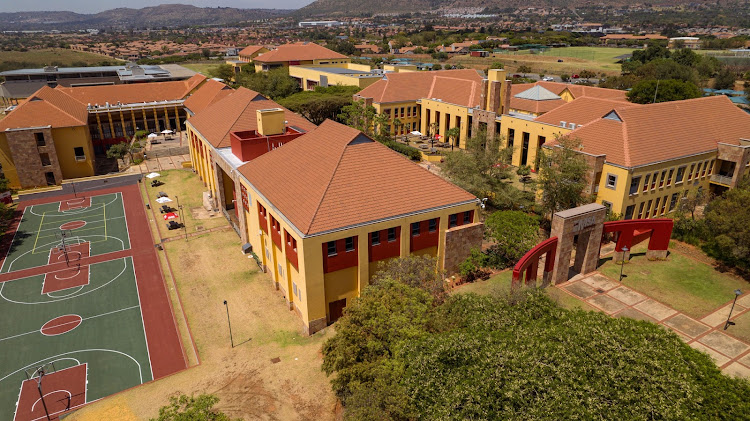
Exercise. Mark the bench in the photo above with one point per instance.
(172, 225)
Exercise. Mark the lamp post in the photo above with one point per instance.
(624, 250)
(737, 293)
(231, 338)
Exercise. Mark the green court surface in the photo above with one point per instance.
(110, 338)
(102, 224)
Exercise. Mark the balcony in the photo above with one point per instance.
(722, 179)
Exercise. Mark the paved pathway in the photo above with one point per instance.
(707, 334)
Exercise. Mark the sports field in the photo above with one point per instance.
(82, 295)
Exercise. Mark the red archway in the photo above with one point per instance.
(634, 231)
(529, 263)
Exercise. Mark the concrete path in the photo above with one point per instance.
(731, 355)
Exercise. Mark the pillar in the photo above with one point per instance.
(145, 120)
(156, 121)
(111, 124)
(99, 126)
(363, 268)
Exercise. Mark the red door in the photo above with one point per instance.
(336, 309)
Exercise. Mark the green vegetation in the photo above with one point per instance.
(321, 104)
(12, 60)
(274, 84)
(514, 233)
(223, 71)
(396, 355)
(190, 408)
(204, 68)
(416, 271)
(562, 177)
(651, 91)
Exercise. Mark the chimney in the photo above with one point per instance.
(271, 121)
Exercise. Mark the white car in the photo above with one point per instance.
(548, 79)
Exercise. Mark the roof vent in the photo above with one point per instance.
(562, 124)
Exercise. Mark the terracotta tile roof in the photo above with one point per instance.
(577, 91)
(250, 50)
(634, 136)
(237, 112)
(297, 52)
(461, 87)
(133, 93)
(343, 178)
(582, 111)
(46, 107)
(209, 93)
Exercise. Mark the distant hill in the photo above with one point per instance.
(169, 15)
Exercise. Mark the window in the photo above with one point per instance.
(387, 112)
(349, 243)
(511, 135)
(669, 177)
(664, 205)
(331, 248)
(634, 183)
(673, 201)
(391, 234)
(680, 175)
(452, 220)
(414, 229)
(467, 217)
(607, 205)
(711, 167)
(640, 210)
(45, 159)
(39, 139)
(79, 153)
(656, 206)
(611, 181)
(663, 176)
(629, 212)
(375, 238)
(705, 165)
(653, 180)
(648, 209)
(432, 225)
(698, 170)
(690, 173)
(645, 182)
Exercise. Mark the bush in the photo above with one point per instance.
(410, 152)
(471, 269)
(515, 233)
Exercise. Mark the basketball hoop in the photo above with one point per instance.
(37, 375)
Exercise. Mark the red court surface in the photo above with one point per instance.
(60, 325)
(63, 390)
(75, 203)
(75, 275)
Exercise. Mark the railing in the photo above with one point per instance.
(721, 179)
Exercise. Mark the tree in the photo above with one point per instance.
(726, 220)
(206, 52)
(696, 197)
(497, 65)
(118, 150)
(565, 77)
(514, 233)
(562, 176)
(190, 408)
(417, 271)
(478, 169)
(724, 79)
(452, 135)
(320, 104)
(523, 69)
(358, 115)
(223, 72)
(274, 84)
(587, 74)
(651, 91)
(397, 124)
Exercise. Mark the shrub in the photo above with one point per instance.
(410, 152)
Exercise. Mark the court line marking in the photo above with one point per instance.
(143, 323)
(13, 241)
(54, 243)
(85, 390)
(79, 322)
(50, 359)
(124, 259)
(38, 231)
(94, 223)
(76, 211)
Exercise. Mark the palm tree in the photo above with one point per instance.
(452, 135)
(396, 124)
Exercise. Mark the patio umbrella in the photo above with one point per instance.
(153, 175)
(152, 135)
(163, 200)
(166, 131)
(416, 133)
(170, 215)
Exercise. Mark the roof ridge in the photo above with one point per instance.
(625, 142)
(63, 111)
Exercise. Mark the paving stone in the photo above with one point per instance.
(579, 289)
(724, 344)
(687, 325)
(745, 360)
(598, 281)
(719, 359)
(737, 370)
(655, 309)
(627, 295)
(744, 300)
(607, 303)
(719, 317)
(635, 314)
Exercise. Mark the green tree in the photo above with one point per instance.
(274, 84)
(206, 52)
(650, 91)
(118, 150)
(222, 71)
(452, 135)
(724, 79)
(726, 219)
(320, 104)
(416, 271)
(523, 69)
(514, 233)
(695, 197)
(190, 408)
(497, 65)
(562, 176)
(587, 74)
(358, 115)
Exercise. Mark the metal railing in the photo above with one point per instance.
(721, 179)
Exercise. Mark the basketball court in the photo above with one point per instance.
(84, 312)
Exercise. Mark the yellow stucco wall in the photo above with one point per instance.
(314, 74)
(9, 169)
(449, 114)
(410, 123)
(68, 138)
(519, 126)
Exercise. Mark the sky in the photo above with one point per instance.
(94, 6)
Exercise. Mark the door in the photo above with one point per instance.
(336, 309)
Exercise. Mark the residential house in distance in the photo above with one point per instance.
(693, 43)
(624, 38)
(302, 53)
(249, 53)
(458, 47)
(368, 48)
(321, 229)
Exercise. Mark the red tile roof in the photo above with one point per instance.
(342, 178)
(209, 93)
(133, 93)
(462, 87)
(46, 107)
(557, 88)
(581, 111)
(237, 112)
(652, 133)
(251, 49)
(298, 52)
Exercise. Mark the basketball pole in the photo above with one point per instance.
(65, 247)
(41, 395)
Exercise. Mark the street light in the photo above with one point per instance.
(737, 293)
(624, 250)
(231, 338)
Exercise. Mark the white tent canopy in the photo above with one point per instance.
(167, 131)
(416, 133)
(163, 200)
(153, 175)
(152, 135)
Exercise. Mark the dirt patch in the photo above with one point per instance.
(202, 213)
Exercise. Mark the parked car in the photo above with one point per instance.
(516, 75)
(575, 76)
(559, 60)
(548, 78)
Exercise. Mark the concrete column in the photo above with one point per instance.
(442, 226)
(166, 118)
(99, 126)
(122, 121)
(111, 125)
(405, 239)
(145, 120)
(156, 121)
(363, 269)
(177, 120)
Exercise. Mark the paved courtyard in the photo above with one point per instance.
(707, 334)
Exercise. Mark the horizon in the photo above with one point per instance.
(93, 7)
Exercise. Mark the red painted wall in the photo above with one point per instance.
(290, 248)
(262, 219)
(425, 239)
(343, 259)
(249, 145)
(386, 249)
(276, 232)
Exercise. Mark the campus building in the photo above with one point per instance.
(321, 207)
(301, 53)
(345, 74)
(56, 133)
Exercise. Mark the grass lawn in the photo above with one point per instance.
(500, 285)
(186, 186)
(203, 67)
(209, 269)
(48, 56)
(602, 55)
(689, 286)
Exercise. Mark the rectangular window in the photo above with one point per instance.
(669, 177)
(349, 243)
(705, 165)
(331, 248)
(629, 212)
(45, 159)
(664, 205)
(653, 180)
(673, 201)
(432, 226)
(511, 135)
(663, 176)
(698, 170)
(467, 217)
(391, 234)
(375, 238)
(414, 229)
(634, 183)
(640, 210)
(690, 173)
(648, 208)
(387, 112)
(611, 181)
(39, 139)
(645, 182)
(79, 153)
(711, 167)
(680, 175)
(452, 220)
(656, 206)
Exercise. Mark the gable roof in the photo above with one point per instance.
(207, 94)
(462, 87)
(582, 111)
(298, 52)
(338, 181)
(250, 50)
(46, 107)
(651, 133)
(237, 112)
(133, 93)
(528, 103)
(537, 93)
